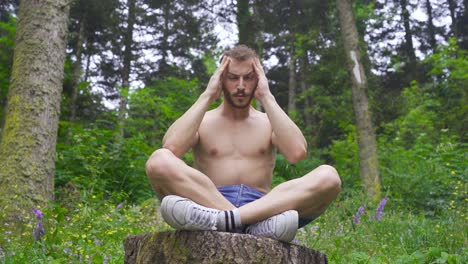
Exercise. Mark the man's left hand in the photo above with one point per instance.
(262, 86)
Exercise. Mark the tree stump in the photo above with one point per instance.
(214, 247)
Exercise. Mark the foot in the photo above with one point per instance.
(282, 227)
(182, 213)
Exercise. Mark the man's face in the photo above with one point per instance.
(239, 83)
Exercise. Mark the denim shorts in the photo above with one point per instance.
(242, 194)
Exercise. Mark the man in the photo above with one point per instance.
(234, 149)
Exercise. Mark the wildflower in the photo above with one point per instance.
(295, 241)
(379, 211)
(38, 214)
(120, 206)
(39, 231)
(357, 216)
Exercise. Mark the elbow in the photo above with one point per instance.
(298, 155)
(171, 148)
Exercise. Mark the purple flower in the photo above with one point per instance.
(295, 241)
(120, 206)
(379, 211)
(39, 231)
(38, 214)
(357, 216)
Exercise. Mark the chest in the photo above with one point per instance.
(236, 140)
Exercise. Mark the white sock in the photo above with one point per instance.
(229, 221)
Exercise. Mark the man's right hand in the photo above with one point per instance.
(213, 90)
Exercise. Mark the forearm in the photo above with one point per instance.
(287, 136)
(182, 134)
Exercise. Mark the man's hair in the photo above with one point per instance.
(240, 53)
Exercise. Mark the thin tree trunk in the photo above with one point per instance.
(258, 39)
(77, 68)
(88, 64)
(127, 60)
(292, 81)
(243, 23)
(431, 27)
(452, 5)
(368, 161)
(463, 27)
(308, 117)
(409, 46)
(27, 148)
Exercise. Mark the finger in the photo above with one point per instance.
(223, 65)
(259, 65)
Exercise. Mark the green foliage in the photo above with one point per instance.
(285, 171)
(92, 160)
(91, 232)
(345, 158)
(153, 109)
(400, 237)
(449, 67)
(429, 176)
(7, 40)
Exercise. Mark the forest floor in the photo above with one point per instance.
(92, 231)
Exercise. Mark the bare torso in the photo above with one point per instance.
(236, 151)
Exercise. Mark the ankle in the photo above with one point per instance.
(229, 221)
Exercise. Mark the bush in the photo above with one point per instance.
(92, 160)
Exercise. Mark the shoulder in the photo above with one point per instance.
(259, 116)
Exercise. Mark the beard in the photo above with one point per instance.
(233, 101)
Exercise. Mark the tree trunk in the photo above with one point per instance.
(258, 39)
(214, 247)
(127, 61)
(369, 167)
(77, 67)
(308, 103)
(292, 81)
(409, 46)
(463, 27)
(246, 35)
(431, 27)
(27, 147)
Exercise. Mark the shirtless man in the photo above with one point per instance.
(234, 150)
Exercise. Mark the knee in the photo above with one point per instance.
(160, 164)
(329, 179)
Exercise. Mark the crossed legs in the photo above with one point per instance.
(309, 195)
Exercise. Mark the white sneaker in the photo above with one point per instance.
(182, 213)
(282, 227)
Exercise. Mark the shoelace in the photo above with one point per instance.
(262, 228)
(203, 218)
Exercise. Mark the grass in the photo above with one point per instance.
(401, 236)
(92, 231)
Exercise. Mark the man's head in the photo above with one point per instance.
(239, 78)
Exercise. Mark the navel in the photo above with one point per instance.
(262, 151)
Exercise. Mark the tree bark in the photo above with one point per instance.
(369, 167)
(409, 46)
(463, 27)
(308, 102)
(127, 61)
(77, 67)
(452, 6)
(27, 147)
(431, 27)
(214, 247)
